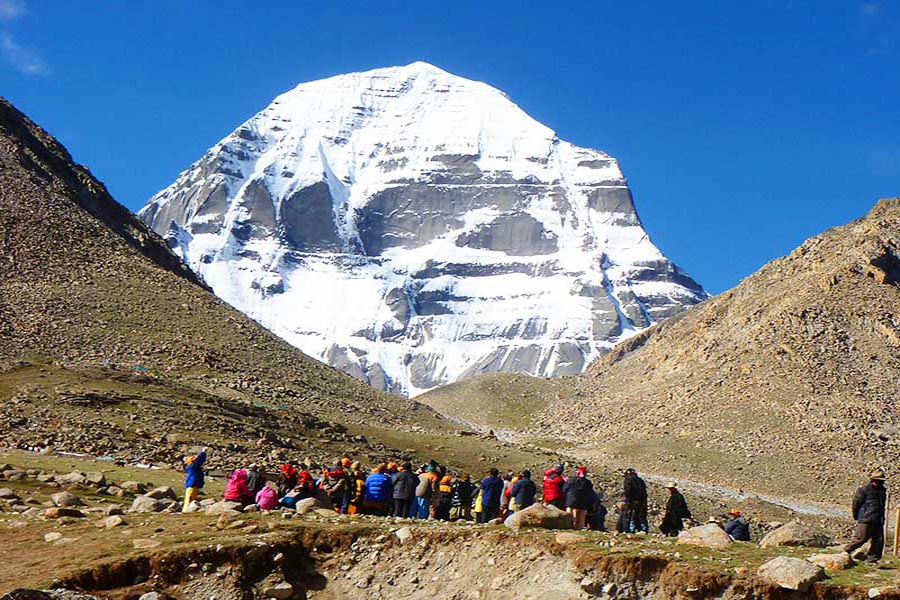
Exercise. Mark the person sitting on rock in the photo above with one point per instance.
(523, 491)
(676, 511)
(553, 487)
(578, 497)
(193, 479)
(596, 515)
(737, 527)
(267, 498)
(334, 484)
(461, 501)
(379, 490)
(236, 489)
(869, 503)
(255, 479)
(287, 478)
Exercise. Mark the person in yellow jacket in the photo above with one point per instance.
(357, 489)
(479, 507)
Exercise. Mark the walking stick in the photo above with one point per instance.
(896, 531)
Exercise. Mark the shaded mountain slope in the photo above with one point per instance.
(109, 345)
(788, 383)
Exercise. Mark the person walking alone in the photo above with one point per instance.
(676, 511)
(869, 503)
(193, 479)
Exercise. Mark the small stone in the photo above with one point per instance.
(832, 561)
(567, 538)
(57, 512)
(146, 504)
(133, 487)
(113, 521)
(144, 543)
(66, 499)
(404, 534)
(52, 536)
(95, 478)
(8, 494)
(162, 492)
(280, 591)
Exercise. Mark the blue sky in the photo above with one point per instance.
(743, 127)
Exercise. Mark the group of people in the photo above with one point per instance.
(397, 489)
(432, 492)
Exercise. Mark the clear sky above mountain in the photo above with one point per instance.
(743, 129)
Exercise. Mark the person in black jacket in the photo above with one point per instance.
(636, 502)
(524, 490)
(676, 510)
(868, 512)
(461, 500)
(404, 483)
(578, 492)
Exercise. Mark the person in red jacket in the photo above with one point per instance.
(553, 487)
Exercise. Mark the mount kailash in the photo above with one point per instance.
(413, 228)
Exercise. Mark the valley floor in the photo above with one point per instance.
(321, 555)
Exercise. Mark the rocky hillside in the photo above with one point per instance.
(109, 345)
(413, 228)
(788, 383)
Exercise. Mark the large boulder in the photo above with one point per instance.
(317, 501)
(73, 477)
(791, 573)
(708, 536)
(795, 534)
(539, 515)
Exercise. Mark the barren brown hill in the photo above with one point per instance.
(110, 346)
(787, 384)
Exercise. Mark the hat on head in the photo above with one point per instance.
(189, 460)
(672, 485)
(877, 475)
(734, 512)
(713, 520)
(581, 471)
(346, 462)
(355, 465)
(558, 468)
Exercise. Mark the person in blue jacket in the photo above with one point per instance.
(378, 491)
(491, 489)
(193, 479)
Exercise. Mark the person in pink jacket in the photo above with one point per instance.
(236, 490)
(266, 498)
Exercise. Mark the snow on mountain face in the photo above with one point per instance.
(414, 228)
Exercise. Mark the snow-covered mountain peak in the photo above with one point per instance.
(411, 227)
